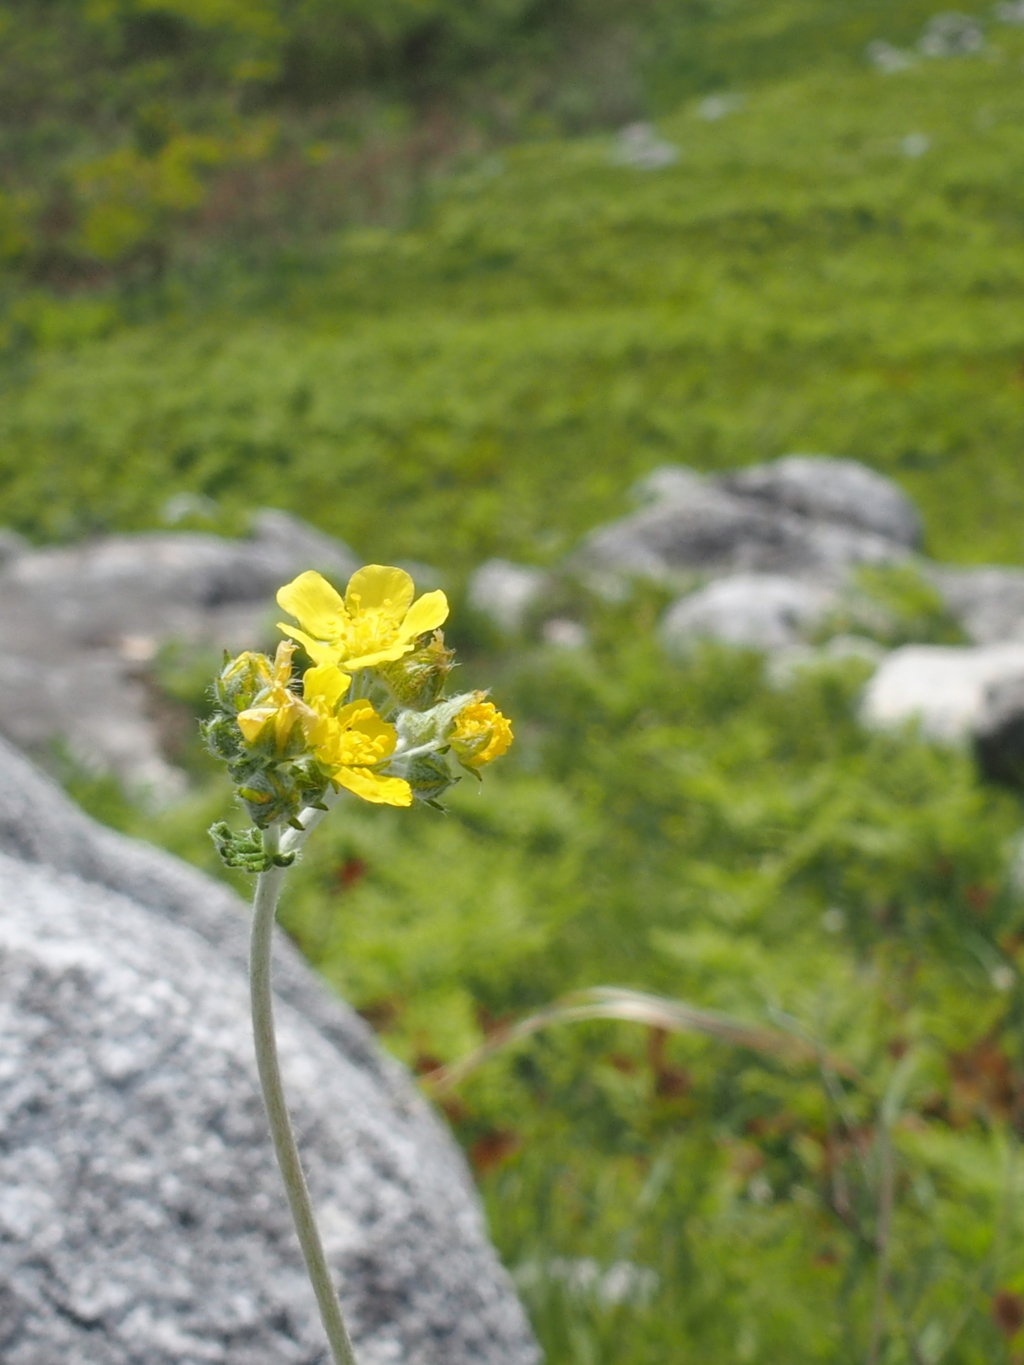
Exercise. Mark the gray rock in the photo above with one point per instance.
(638, 145)
(713, 531)
(80, 623)
(999, 732)
(11, 545)
(943, 688)
(714, 107)
(668, 483)
(987, 603)
(141, 1217)
(951, 35)
(828, 489)
(163, 585)
(886, 58)
(565, 633)
(504, 593)
(753, 611)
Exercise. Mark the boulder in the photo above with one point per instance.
(639, 145)
(668, 483)
(753, 611)
(80, 623)
(142, 1221)
(504, 592)
(951, 35)
(987, 603)
(11, 545)
(711, 528)
(943, 687)
(829, 489)
(565, 633)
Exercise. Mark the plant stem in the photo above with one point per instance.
(268, 888)
(887, 1184)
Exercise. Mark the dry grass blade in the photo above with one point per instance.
(637, 1007)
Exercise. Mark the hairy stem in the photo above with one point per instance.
(268, 888)
(887, 1185)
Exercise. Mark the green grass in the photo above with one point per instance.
(550, 331)
(537, 328)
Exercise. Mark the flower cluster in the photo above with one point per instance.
(370, 716)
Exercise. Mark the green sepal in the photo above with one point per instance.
(244, 849)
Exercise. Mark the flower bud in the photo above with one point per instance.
(222, 736)
(242, 679)
(418, 679)
(272, 790)
(429, 777)
(480, 733)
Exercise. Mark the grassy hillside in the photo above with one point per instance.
(555, 324)
(141, 133)
(436, 314)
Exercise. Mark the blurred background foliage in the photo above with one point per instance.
(383, 265)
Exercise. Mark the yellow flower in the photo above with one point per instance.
(277, 702)
(480, 733)
(351, 744)
(376, 622)
(322, 688)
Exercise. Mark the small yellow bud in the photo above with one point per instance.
(242, 679)
(480, 733)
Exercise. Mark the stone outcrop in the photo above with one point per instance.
(803, 516)
(504, 593)
(141, 1216)
(825, 488)
(987, 602)
(942, 688)
(753, 611)
(80, 623)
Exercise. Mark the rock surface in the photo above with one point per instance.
(987, 603)
(943, 687)
(141, 1217)
(80, 623)
(802, 516)
(753, 611)
(668, 483)
(830, 489)
(504, 592)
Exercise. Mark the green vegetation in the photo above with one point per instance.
(554, 322)
(476, 352)
(688, 830)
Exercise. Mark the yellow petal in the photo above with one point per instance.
(380, 656)
(501, 740)
(383, 791)
(319, 652)
(283, 662)
(325, 683)
(316, 606)
(428, 613)
(379, 588)
(251, 722)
